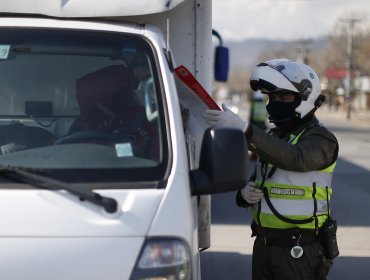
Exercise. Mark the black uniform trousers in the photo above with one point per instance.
(273, 262)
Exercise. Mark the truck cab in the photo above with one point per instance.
(102, 175)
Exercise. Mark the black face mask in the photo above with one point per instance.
(281, 112)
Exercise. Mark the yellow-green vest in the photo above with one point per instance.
(291, 193)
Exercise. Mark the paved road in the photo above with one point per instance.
(230, 254)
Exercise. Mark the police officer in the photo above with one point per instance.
(290, 189)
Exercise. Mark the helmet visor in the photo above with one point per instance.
(268, 80)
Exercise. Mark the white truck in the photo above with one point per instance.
(103, 174)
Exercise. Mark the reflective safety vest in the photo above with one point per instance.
(294, 195)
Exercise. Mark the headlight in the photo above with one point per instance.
(163, 259)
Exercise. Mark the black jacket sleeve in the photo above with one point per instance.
(240, 201)
(316, 149)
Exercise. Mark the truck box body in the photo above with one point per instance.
(101, 173)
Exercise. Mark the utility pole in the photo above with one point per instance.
(350, 22)
(303, 50)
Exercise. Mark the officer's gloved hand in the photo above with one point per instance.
(251, 194)
(224, 118)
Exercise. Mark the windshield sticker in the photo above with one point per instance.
(124, 150)
(4, 51)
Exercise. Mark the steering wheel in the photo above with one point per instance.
(88, 135)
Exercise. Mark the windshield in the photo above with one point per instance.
(81, 105)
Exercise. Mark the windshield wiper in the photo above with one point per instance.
(109, 204)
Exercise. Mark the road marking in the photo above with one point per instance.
(352, 241)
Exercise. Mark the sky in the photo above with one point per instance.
(237, 20)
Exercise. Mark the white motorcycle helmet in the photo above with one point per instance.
(279, 75)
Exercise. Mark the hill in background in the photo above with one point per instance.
(244, 55)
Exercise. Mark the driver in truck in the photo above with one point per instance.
(108, 107)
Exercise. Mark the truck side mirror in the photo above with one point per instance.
(223, 162)
(221, 63)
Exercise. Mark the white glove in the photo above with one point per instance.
(251, 194)
(224, 118)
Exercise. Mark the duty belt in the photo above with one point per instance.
(285, 237)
